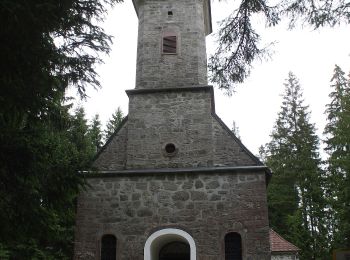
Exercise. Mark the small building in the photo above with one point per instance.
(281, 249)
(341, 254)
(173, 182)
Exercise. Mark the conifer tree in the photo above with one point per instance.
(338, 146)
(46, 46)
(37, 200)
(240, 42)
(95, 132)
(79, 136)
(113, 123)
(295, 194)
(235, 130)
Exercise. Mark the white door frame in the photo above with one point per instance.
(164, 236)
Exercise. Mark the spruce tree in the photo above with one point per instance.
(37, 200)
(79, 136)
(295, 194)
(337, 133)
(113, 123)
(95, 132)
(235, 129)
(46, 46)
(240, 41)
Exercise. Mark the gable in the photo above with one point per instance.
(228, 149)
(112, 155)
(183, 117)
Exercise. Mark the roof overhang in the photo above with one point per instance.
(222, 169)
(206, 8)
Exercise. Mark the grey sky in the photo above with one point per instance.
(310, 55)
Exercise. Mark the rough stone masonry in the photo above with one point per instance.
(173, 164)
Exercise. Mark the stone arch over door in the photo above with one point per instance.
(163, 237)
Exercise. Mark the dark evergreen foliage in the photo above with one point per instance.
(296, 192)
(45, 47)
(113, 123)
(39, 184)
(239, 41)
(338, 147)
(95, 133)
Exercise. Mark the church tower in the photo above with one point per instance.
(171, 43)
(173, 182)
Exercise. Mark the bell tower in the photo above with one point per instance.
(171, 49)
(173, 181)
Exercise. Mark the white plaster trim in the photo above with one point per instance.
(165, 233)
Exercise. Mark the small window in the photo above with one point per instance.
(233, 246)
(108, 247)
(170, 148)
(169, 44)
(170, 13)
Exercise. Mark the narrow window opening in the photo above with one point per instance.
(108, 247)
(170, 13)
(233, 246)
(169, 44)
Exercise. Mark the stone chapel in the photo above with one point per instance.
(173, 182)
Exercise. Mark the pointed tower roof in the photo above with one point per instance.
(279, 244)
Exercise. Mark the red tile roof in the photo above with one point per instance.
(279, 244)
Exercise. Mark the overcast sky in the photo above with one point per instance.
(310, 55)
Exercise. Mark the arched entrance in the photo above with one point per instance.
(175, 251)
(170, 244)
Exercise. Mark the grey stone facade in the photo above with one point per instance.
(185, 117)
(187, 22)
(207, 205)
(208, 185)
(284, 256)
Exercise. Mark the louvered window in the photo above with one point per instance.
(108, 247)
(233, 246)
(169, 44)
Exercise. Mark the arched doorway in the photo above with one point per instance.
(170, 244)
(175, 251)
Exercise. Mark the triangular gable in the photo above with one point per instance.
(112, 156)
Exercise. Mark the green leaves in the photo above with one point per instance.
(95, 132)
(308, 203)
(238, 44)
(46, 46)
(39, 184)
(239, 40)
(295, 195)
(338, 146)
(114, 123)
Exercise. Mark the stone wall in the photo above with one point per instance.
(227, 148)
(284, 256)
(113, 154)
(188, 66)
(183, 117)
(206, 205)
